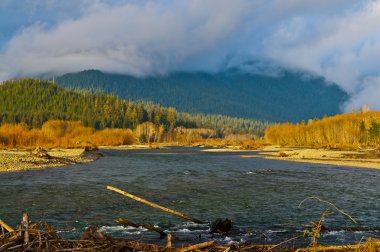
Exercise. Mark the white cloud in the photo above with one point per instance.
(368, 95)
(345, 49)
(131, 38)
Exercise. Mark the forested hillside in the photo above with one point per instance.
(36, 101)
(287, 97)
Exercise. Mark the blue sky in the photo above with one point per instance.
(338, 39)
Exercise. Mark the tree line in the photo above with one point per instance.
(345, 130)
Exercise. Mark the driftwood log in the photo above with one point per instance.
(197, 246)
(370, 245)
(169, 243)
(25, 227)
(41, 153)
(165, 209)
(6, 226)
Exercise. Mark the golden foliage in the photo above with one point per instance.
(147, 132)
(110, 137)
(14, 135)
(190, 136)
(346, 130)
(60, 133)
(208, 137)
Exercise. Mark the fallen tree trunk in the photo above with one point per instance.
(197, 246)
(155, 205)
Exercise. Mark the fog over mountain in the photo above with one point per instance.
(339, 40)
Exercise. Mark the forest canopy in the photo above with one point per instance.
(288, 96)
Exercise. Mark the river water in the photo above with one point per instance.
(261, 196)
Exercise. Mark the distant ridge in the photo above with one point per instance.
(286, 97)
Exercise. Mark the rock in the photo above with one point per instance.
(93, 234)
(282, 154)
(220, 226)
(92, 153)
(91, 148)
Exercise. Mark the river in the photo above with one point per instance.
(261, 196)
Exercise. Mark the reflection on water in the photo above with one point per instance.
(260, 196)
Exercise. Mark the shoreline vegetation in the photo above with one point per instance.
(344, 140)
(351, 139)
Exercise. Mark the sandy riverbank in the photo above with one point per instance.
(366, 158)
(227, 149)
(134, 147)
(21, 160)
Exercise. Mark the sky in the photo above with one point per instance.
(339, 40)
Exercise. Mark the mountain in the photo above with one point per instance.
(287, 96)
(34, 102)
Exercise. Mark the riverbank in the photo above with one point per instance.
(43, 237)
(365, 158)
(227, 149)
(137, 146)
(20, 160)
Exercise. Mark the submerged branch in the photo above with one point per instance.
(331, 204)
